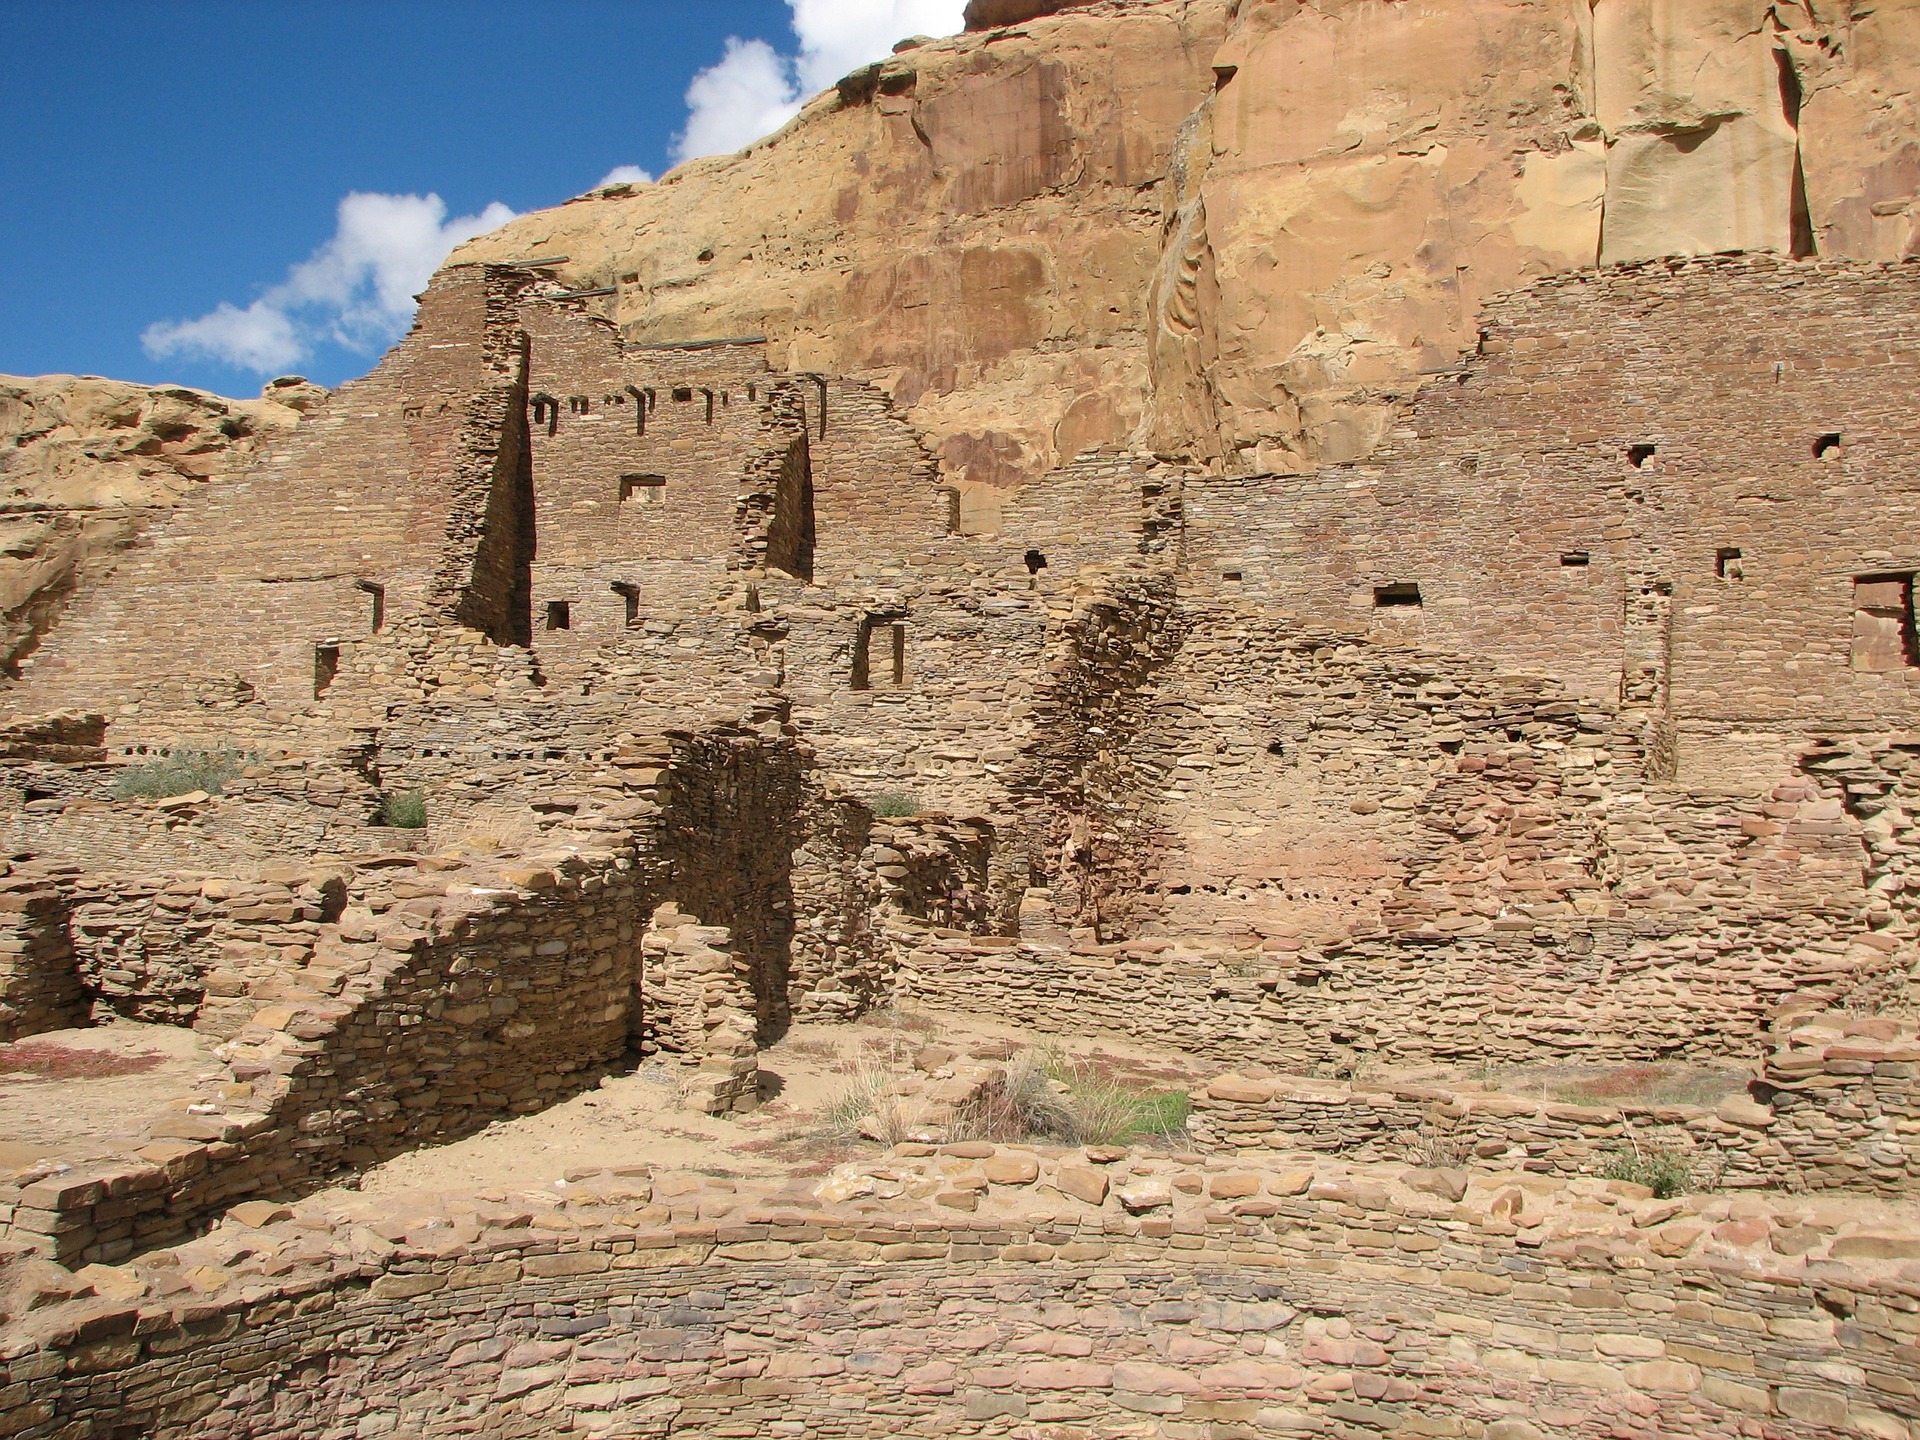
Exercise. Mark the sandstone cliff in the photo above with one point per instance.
(85, 463)
(1237, 230)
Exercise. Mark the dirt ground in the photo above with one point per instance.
(95, 1088)
(635, 1118)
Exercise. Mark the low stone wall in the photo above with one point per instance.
(1525, 993)
(1090, 1291)
(1845, 1099)
(1728, 1146)
(1835, 1106)
(443, 995)
(39, 988)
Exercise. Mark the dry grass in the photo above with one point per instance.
(1611, 1086)
(1437, 1149)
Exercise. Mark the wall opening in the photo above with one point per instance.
(683, 393)
(496, 595)
(790, 535)
(559, 614)
(631, 595)
(326, 665)
(1883, 628)
(1826, 445)
(1726, 563)
(645, 489)
(1576, 559)
(1638, 455)
(377, 598)
(1036, 562)
(892, 632)
(1389, 596)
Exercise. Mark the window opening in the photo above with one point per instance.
(30, 794)
(1576, 559)
(1638, 455)
(1726, 563)
(1826, 445)
(1883, 623)
(683, 393)
(630, 594)
(377, 594)
(896, 655)
(559, 614)
(326, 665)
(648, 489)
(1386, 596)
(1036, 562)
(1236, 576)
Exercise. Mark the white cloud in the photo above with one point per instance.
(355, 291)
(624, 175)
(754, 89)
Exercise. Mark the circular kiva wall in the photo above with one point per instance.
(1199, 1302)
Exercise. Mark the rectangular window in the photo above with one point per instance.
(326, 665)
(1883, 628)
(1398, 594)
(559, 614)
(631, 595)
(377, 594)
(647, 489)
(895, 632)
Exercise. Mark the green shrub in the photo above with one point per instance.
(180, 772)
(895, 805)
(404, 810)
(1665, 1171)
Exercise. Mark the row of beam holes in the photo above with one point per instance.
(1824, 447)
(560, 612)
(546, 408)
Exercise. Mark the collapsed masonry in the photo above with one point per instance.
(1575, 723)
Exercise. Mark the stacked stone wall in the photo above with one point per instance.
(40, 986)
(1152, 1294)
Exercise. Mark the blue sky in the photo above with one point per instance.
(160, 160)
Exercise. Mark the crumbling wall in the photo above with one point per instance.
(40, 985)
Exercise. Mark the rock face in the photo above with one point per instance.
(1238, 231)
(86, 464)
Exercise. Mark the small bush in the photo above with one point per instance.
(180, 772)
(895, 805)
(404, 810)
(1665, 1171)
(1052, 1096)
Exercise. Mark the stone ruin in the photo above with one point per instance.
(1576, 723)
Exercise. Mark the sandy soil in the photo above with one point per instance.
(47, 1109)
(635, 1118)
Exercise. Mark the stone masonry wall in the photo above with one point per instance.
(40, 987)
(969, 1290)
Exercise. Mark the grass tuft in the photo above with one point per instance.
(1665, 1171)
(404, 810)
(895, 805)
(180, 771)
